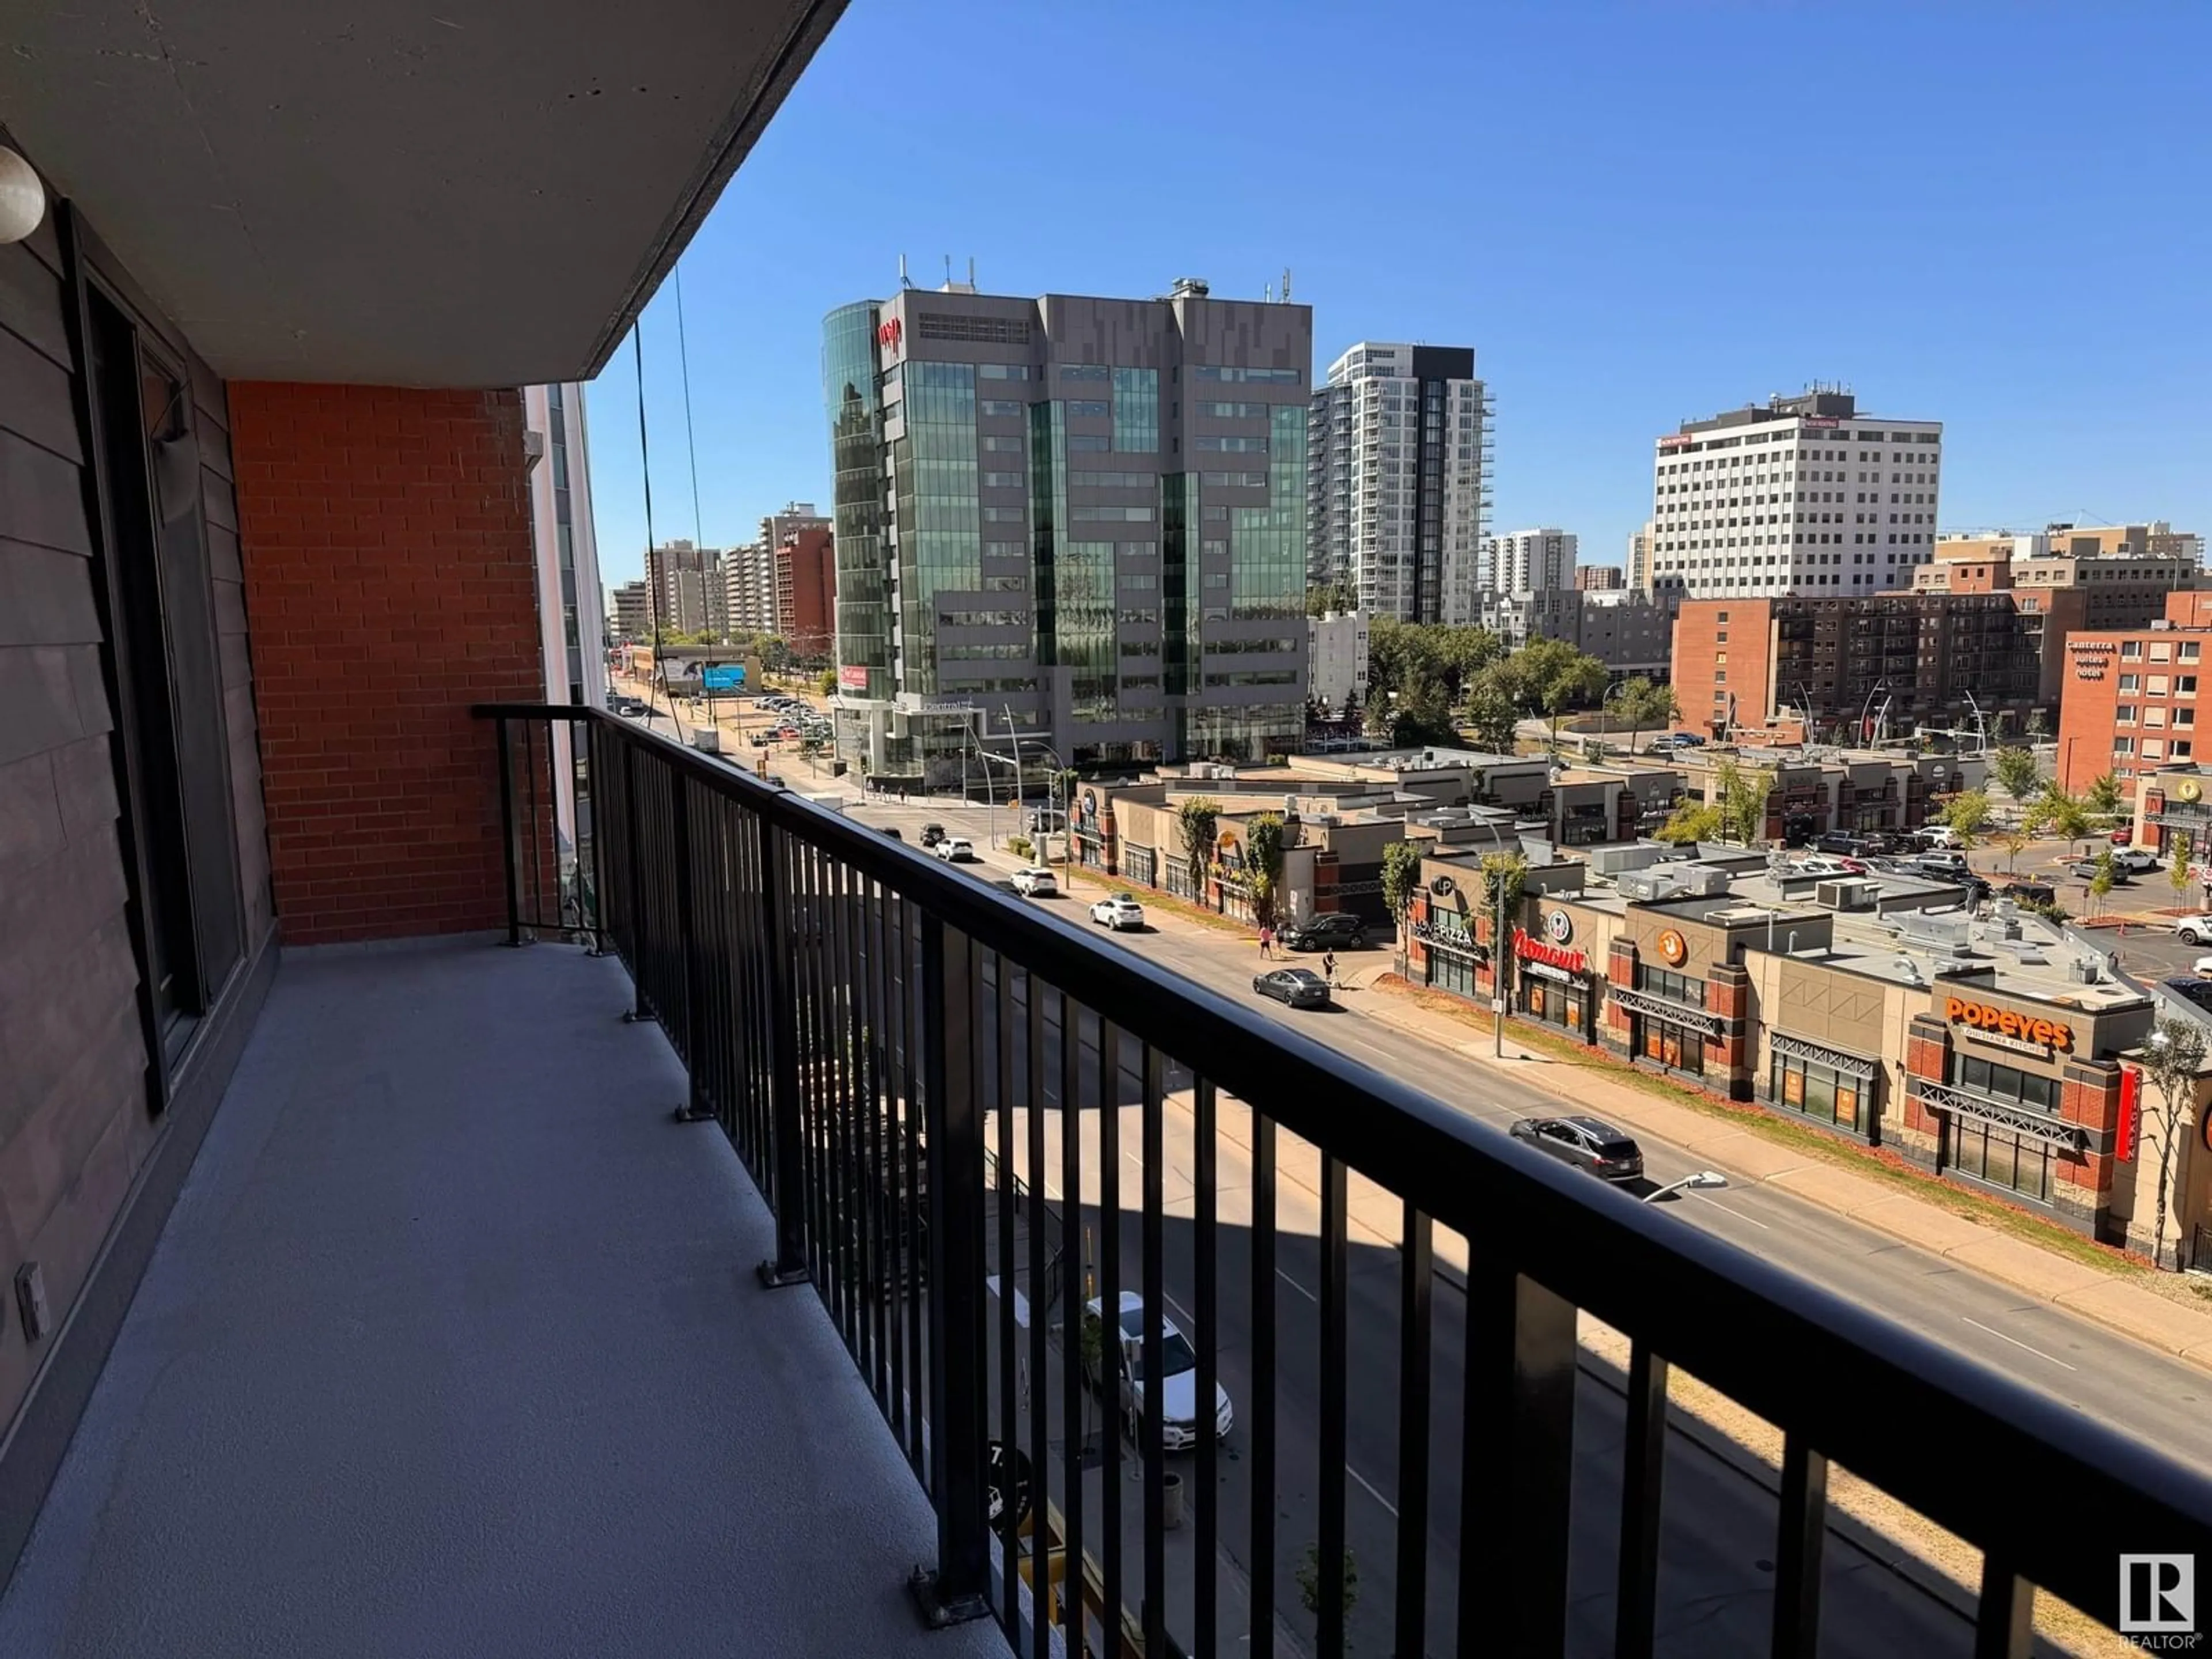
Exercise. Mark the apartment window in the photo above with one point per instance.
(1002, 372)
(2157, 685)
(1088, 443)
(1004, 480)
(1002, 406)
(2131, 650)
(2187, 652)
(1095, 407)
(1005, 514)
(2123, 745)
(2130, 682)
(2185, 685)
(1083, 371)
(2161, 652)
(2182, 747)
(999, 443)
(2153, 749)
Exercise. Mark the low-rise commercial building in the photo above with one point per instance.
(1991, 1050)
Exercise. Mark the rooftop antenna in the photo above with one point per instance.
(948, 270)
(1266, 292)
(904, 280)
(1287, 285)
(971, 271)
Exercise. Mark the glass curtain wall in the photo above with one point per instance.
(940, 518)
(850, 398)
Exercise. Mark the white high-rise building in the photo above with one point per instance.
(749, 573)
(1533, 561)
(573, 640)
(1394, 479)
(1639, 557)
(1802, 495)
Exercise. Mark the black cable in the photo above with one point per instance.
(652, 582)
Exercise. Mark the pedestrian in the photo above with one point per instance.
(1328, 968)
(1267, 941)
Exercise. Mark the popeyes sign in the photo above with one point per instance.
(2024, 1028)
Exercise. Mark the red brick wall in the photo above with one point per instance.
(810, 625)
(389, 584)
(1702, 639)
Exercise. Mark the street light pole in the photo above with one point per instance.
(1701, 1180)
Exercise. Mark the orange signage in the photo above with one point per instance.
(1674, 948)
(2006, 1023)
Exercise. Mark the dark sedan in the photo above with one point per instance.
(1296, 988)
(1587, 1143)
(1333, 931)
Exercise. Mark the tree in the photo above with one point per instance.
(2056, 813)
(2014, 843)
(2102, 797)
(826, 683)
(2173, 1055)
(1263, 864)
(1642, 703)
(1401, 878)
(2016, 772)
(1422, 714)
(2100, 884)
(1742, 801)
(1311, 1583)
(1490, 715)
(2178, 847)
(1692, 821)
(1196, 820)
(1323, 598)
(1571, 683)
(1967, 812)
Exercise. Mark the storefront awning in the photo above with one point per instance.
(1820, 1054)
(1673, 1013)
(2020, 1120)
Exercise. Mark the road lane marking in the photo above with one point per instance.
(2016, 1342)
(1368, 1486)
(1738, 1214)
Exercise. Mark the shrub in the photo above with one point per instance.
(1018, 846)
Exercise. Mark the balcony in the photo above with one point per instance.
(446, 1260)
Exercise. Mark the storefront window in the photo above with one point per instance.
(1551, 1002)
(1986, 1077)
(1673, 1047)
(1999, 1157)
(1138, 863)
(1826, 1092)
(1675, 987)
(1449, 971)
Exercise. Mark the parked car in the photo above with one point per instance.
(894, 832)
(2031, 892)
(1120, 913)
(1945, 866)
(2196, 991)
(931, 834)
(1178, 1370)
(1678, 740)
(1294, 988)
(1937, 836)
(1842, 841)
(1331, 930)
(957, 849)
(2136, 859)
(2202, 967)
(1036, 882)
(1587, 1143)
(2086, 870)
(1822, 865)
(1047, 820)
(2124, 834)
(2194, 930)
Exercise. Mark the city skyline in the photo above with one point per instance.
(1627, 310)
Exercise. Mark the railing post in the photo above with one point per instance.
(507, 832)
(695, 1107)
(788, 1265)
(635, 899)
(959, 1589)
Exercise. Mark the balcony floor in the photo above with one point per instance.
(452, 1344)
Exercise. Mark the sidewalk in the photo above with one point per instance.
(1748, 1158)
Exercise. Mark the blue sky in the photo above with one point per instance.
(1991, 214)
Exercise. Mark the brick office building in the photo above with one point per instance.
(2130, 698)
(806, 591)
(1745, 663)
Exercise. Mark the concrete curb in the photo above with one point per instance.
(1909, 1219)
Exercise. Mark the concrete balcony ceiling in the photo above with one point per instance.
(438, 192)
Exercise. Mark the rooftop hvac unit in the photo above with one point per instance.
(1645, 885)
(1613, 860)
(1705, 880)
(1950, 933)
(2083, 971)
(1847, 895)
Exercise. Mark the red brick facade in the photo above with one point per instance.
(390, 583)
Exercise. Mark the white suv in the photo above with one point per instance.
(2195, 930)
(1122, 911)
(1036, 882)
(957, 849)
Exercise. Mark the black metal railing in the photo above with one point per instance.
(937, 1087)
